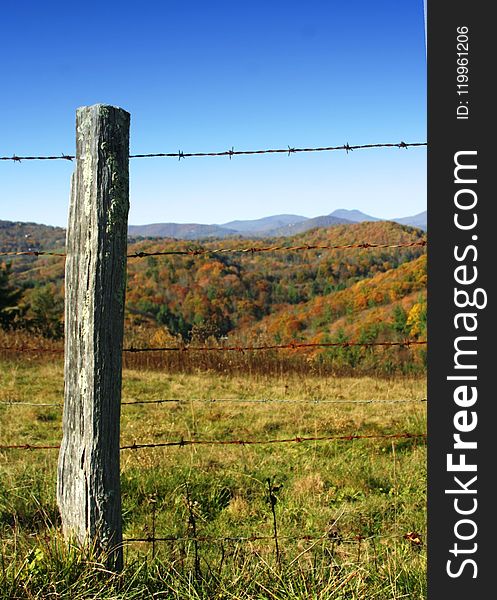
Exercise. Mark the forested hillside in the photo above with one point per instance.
(313, 295)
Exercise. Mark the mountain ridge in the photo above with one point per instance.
(264, 224)
(20, 236)
(272, 226)
(354, 215)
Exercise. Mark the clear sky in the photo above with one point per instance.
(211, 75)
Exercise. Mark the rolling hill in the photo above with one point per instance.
(16, 236)
(281, 296)
(363, 306)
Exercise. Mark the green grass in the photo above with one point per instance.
(362, 496)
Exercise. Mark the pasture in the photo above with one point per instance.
(338, 519)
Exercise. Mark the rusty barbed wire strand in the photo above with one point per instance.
(32, 253)
(232, 152)
(296, 439)
(244, 250)
(269, 401)
(28, 349)
(182, 442)
(255, 249)
(291, 346)
(27, 447)
(22, 403)
(327, 536)
(225, 401)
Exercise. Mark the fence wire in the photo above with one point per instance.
(242, 442)
(243, 250)
(255, 249)
(331, 536)
(210, 401)
(232, 152)
(290, 346)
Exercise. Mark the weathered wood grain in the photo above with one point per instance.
(88, 486)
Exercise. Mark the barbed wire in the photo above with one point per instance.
(244, 250)
(255, 249)
(332, 536)
(22, 403)
(270, 401)
(290, 346)
(232, 152)
(183, 442)
(296, 439)
(28, 350)
(247, 442)
(288, 150)
(32, 253)
(28, 447)
(309, 401)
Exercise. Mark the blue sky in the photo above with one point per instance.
(206, 76)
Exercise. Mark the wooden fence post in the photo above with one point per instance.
(88, 486)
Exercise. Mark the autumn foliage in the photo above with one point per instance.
(362, 294)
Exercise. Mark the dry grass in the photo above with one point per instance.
(370, 488)
(386, 362)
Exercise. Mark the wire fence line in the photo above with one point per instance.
(32, 253)
(272, 401)
(244, 250)
(296, 439)
(290, 346)
(331, 536)
(232, 152)
(28, 349)
(255, 249)
(210, 401)
(242, 442)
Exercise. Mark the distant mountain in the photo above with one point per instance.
(32, 236)
(307, 225)
(277, 225)
(183, 231)
(265, 224)
(274, 226)
(352, 215)
(420, 220)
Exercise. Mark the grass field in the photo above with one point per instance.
(356, 500)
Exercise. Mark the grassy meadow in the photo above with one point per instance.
(360, 503)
